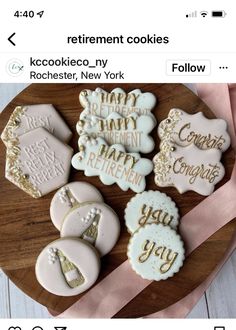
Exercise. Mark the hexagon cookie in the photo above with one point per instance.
(37, 162)
(29, 117)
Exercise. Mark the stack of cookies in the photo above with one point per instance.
(155, 250)
(190, 152)
(37, 156)
(89, 229)
(114, 128)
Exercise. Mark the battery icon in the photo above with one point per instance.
(218, 13)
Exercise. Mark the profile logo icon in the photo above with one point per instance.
(14, 67)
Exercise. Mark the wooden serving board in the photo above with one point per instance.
(25, 226)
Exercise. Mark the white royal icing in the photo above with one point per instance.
(188, 168)
(156, 252)
(131, 131)
(184, 128)
(151, 207)
(112, 164)
(101, 103)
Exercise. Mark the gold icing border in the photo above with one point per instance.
(13, 122)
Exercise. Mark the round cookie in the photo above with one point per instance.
(67, 267)
(156, 252)
(151, 207)
(71, 195)
(96, 223)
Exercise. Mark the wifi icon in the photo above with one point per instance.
(203, 13)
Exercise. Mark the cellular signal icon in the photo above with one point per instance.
(192, 15)
(204, 13)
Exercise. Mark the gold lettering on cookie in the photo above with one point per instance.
(117, 124)
(154, 216)
(117, 155)
(118, 98)
(201, 141)
(209, 173)
(162, 252)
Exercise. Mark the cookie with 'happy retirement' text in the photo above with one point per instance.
(156, 252)
(112, 164)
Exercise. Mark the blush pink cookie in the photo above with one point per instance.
(29, 117)
(67, 267)
(71, 195)
(96, 223)
(37, 162)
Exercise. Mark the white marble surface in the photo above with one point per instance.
(218, 302)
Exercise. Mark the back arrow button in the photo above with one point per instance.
(9, 39)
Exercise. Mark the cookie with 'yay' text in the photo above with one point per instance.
(131, 131)
(67, 266)
(94, 222)
(184, 129)
(69, 196)
(151, 207)
(156, 252)
(101, 103)
(188, 168)
(112, 164)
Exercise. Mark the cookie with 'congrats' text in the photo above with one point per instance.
(184, 128)
(188, 168)
(156, 252)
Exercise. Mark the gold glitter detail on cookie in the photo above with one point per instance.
(72, 274)
(14, 172)
(167, 126)
(13, 123)
(163, 163)
(91, 233)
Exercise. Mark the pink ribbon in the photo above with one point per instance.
(105, 299)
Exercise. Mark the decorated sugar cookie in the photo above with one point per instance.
(184, 129)
(94, 222)
(131, 131)
(71, 195)
(28, 117)
(156, 252)
(67, 267)
(188, 168)
(151, 207)
(37, 162)
(101, 103)
(112, 164)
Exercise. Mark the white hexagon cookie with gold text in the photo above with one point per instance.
(112, 164)
(188, 168)
(102, 103)
(37, 162)
(131, 131)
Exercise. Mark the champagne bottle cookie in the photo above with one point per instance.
(67, 267)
